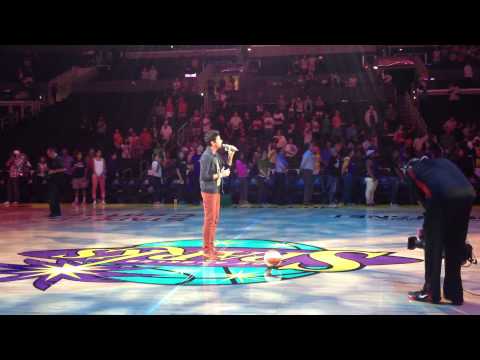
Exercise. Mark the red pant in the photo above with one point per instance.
(211, 208)
(95, 181)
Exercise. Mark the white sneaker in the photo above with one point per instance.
(103, 202)
(94, 203)
(6, 203)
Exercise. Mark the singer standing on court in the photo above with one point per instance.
(212, 171)
(55, 179)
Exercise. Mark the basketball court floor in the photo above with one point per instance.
(145, 260)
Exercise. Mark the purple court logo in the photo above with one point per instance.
(180, 262)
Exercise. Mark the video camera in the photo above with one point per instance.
(418, 241)
(415, 242)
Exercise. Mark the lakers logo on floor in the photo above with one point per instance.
(181, 262)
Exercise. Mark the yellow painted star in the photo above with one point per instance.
(66, 269)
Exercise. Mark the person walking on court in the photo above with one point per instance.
(56, 173)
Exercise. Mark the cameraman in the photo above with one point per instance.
(447, 196)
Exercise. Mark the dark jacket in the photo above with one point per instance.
(440, 179)
(55, 164)
(210, 164)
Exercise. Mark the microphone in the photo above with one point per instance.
(229, 147)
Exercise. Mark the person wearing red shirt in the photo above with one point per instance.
(117, 139)
(182, 108)
(135, 146)
(170, 108)
(146, 140)
(399, 136)
(257, 127)
(300, 123)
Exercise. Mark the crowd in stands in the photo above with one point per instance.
(456, 64)
(149, 73)
(335, 72)
(302, 149)
(22, 74)
(25, 90)
(152, 70)
(455, 56)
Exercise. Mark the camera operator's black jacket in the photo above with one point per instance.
(441, 180)
(448, 202)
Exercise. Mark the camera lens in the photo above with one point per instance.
(412, 241)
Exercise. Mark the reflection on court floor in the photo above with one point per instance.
(137, 259)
